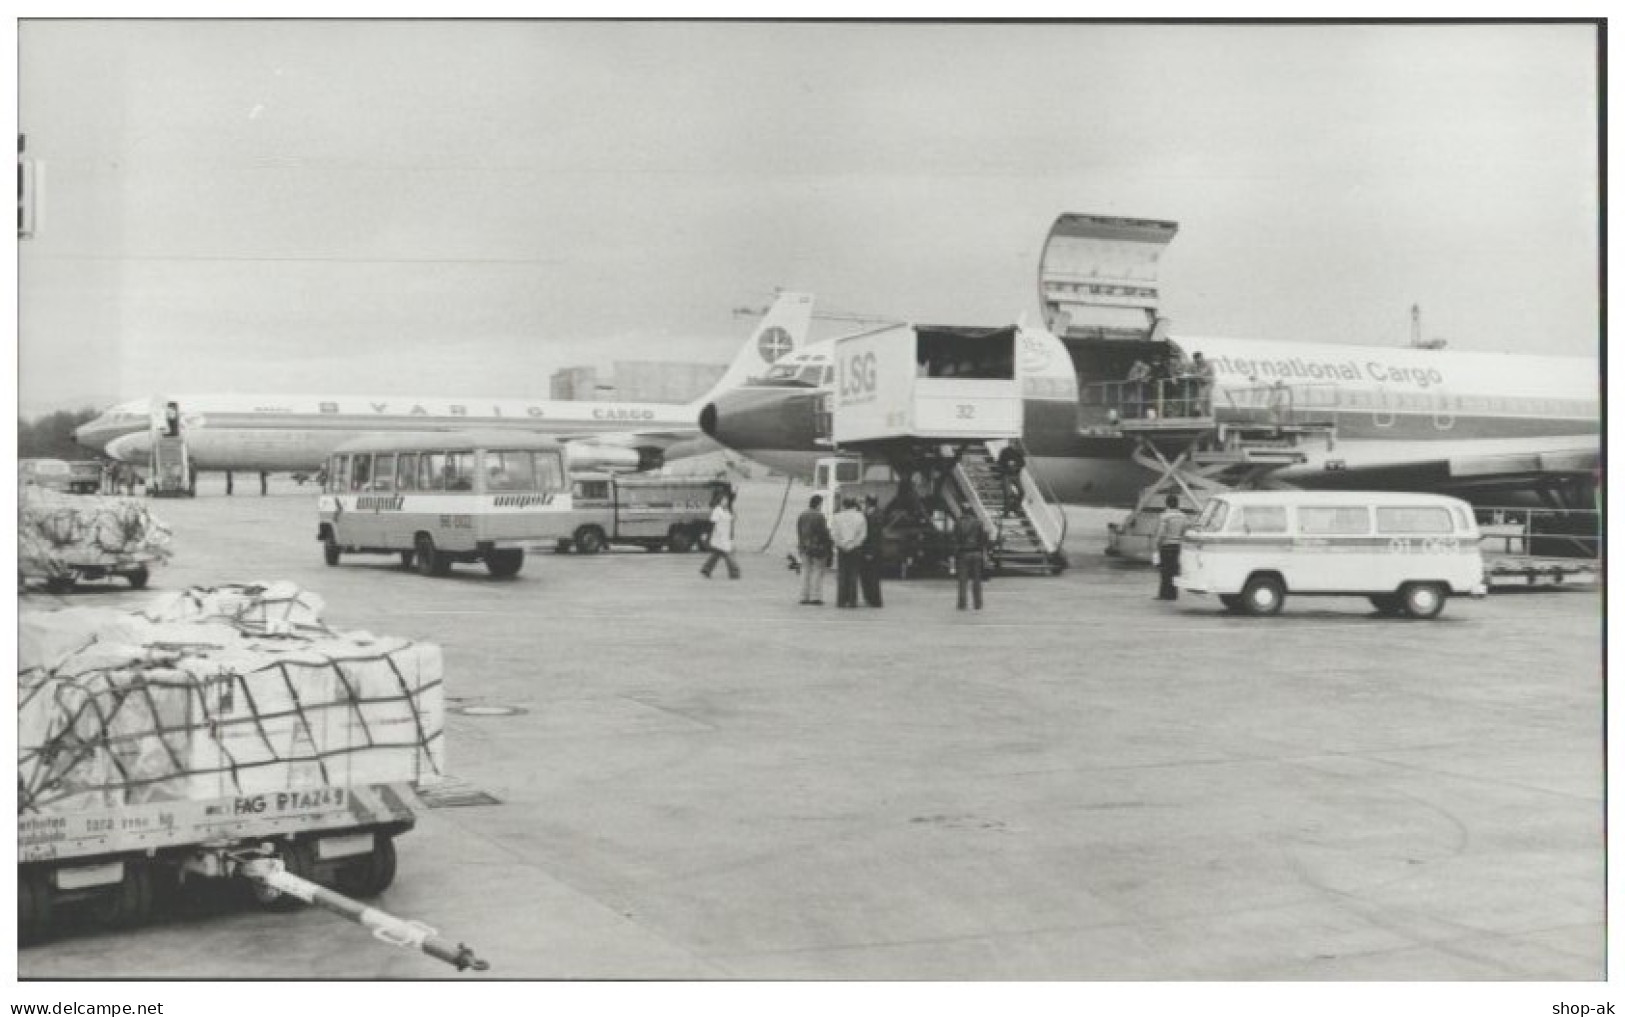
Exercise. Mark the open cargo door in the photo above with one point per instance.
(1097, 278)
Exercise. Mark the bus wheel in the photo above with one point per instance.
(138, 578)
(1387, 604)
(429, 561)
(1263, 595)
(330, 550)
(503, 564)
(1422, 600)
(589, 540)
(679, 540)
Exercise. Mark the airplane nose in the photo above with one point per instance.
(759, 418)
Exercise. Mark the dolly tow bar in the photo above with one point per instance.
(269, 872)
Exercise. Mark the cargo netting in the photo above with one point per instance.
(218, 692)
(57, 531)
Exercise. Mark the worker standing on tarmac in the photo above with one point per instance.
(813, 544)
(1166, 556)
(874, 531)
(848, 529)
(970, 547)
(722, 535)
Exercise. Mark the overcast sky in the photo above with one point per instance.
(459, 208)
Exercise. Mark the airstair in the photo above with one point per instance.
(171, 475)
(1022, 538)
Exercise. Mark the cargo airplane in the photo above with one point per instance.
(1488, 426)
(296, 433)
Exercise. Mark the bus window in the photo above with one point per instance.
(848, 471)
(509, 471)
(432, 471)
(1333, 521)
(1263, 519)
(360, 473)
(549, 471)
(459, 471)
(406, 475)
(338, 475)
(383, 473)
(1414, 519)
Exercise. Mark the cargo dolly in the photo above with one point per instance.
(67, 569)
(292, 847)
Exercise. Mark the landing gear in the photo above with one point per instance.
(503, 564)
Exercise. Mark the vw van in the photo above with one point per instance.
(1407, 553)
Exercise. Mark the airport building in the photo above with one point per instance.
(642, 381)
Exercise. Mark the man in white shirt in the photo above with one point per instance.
(722, 536)
(849, 530)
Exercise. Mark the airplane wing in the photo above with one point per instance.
(1518, 464)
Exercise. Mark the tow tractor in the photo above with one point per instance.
(291, 848)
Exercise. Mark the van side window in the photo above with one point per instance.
(1263, 519)
(459, 471)
(360, 473)
(1325, 520)
(1414, 519)
(383, 473)
(406, 475)
(432, 472)
(549, 471)
(509, 471)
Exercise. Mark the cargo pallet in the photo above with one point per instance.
(284, 844)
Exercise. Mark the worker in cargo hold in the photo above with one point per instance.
(874, 527)
(1136, 390)
(1170, 528)
(1203, 378)
(848, 530)
(722, 535)
(813, 544)
(970, 547)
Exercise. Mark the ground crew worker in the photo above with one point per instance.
(1203, 376)
(1011, 463)
(848, 530)
(970, 546)
(813, 545)
(874, 532)
(722, 535)
(1170, 527)
(1135, 390)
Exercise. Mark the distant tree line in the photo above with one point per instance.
(51, 436)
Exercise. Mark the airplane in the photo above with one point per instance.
(1495, 428)
(297, 432)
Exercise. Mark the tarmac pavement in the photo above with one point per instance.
(703, 779)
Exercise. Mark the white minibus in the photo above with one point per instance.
(1408, 553)
(439, 497)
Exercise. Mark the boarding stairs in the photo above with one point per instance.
(1026, 539)
(171, 467)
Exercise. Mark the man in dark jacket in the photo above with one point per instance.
(970, 545)
(1011, 462)
(813, 545)
(873, 539)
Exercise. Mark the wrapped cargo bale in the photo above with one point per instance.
(147, 711)
(263, 607)
(56, 532)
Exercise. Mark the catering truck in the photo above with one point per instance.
(653, 512)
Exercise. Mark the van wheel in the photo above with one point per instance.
(1231, 601)
(1263, 595)
(503, 564)
(1423, 600)
(429, 561)
(371, 874)
(679, 541)
(589, 540)
(330, 550)
(138, 578)
(1387, 604)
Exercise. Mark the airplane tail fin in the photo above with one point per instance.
(782, 331)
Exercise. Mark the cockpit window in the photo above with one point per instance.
(796, 372)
